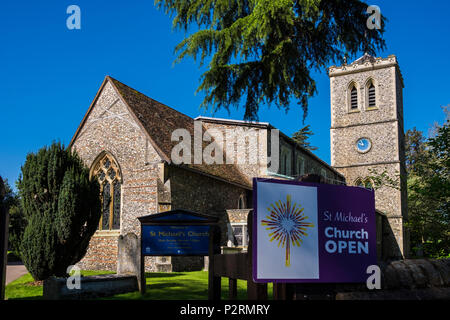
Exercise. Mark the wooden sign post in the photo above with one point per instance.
(180, 233)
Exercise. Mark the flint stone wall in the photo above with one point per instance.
(383, 125)
(101, 253)
(111, 128)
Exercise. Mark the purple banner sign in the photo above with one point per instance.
(305, 232)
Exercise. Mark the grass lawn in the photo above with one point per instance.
(25, 288)
(160, 286)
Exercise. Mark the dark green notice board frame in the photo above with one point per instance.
(179, 233)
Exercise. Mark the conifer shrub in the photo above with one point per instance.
(62, 208)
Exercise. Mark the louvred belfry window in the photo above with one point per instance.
(353, 98)
(371, 96)
(108, 173)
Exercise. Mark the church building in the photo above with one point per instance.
(131, 144)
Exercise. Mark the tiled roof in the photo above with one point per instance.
(159, 121)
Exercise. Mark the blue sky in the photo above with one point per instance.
(49, 74)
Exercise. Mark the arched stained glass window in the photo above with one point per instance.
(107, 171)
(116, 205)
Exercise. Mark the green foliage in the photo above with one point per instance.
(301, 137)
(429, 192)
(62, 209)
(17, 221)
(17, 224)
(439, 180)
(160, 286)
(428, 187)
(383, 179)
(22, 289)
(264, 50)
(415, 149)
(9, 198)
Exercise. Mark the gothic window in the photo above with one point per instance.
(116, 205)
(353, 97)
(300, 166)
(323, 173)
(286, 158)
(107, 171)
(283, 163)
(371, 95)
(364, 183)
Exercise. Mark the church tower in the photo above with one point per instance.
(367, 136)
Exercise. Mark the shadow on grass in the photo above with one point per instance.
(28, 298)
(163, 275)
(159, 286)
(179, 286)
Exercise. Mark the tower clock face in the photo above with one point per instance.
(363, 145)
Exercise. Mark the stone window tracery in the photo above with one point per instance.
(108, 174)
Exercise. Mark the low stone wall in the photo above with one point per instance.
(91, 287)
(418, 279)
